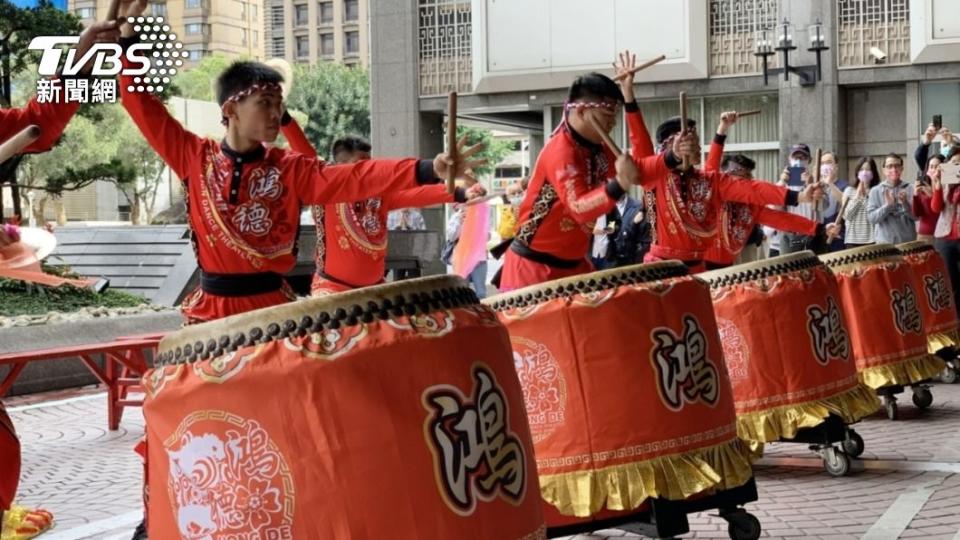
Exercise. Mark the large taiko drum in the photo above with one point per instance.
(388, 412)
(625, 388)
(932, 283)
(786, 347)
(882, 310)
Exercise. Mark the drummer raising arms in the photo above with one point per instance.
(738, 220)
(575, 180)
(352, 237)
(244, 199)
(688, 202)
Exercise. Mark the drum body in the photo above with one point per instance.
(932, 283)
(325, 418)
(786, 347)
(625, 389)
(882, 310)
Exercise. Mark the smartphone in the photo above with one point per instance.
(938, 121)
(950, 173)
(796, 176)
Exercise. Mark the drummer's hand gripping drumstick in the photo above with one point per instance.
(14, 145)
(641, 67)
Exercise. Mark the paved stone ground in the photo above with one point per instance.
(89, 477)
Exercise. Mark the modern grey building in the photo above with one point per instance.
(511, 62)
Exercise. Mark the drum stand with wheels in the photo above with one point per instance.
(824, 438)
(668, 519)
(951, 373)
(922, 397)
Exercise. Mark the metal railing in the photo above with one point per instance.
(866, 24)
(445, 44)
(733, 27)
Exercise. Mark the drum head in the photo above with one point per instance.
(211, 339)
(861, 255)
(917, 246)
(765, 268)
(587, 283)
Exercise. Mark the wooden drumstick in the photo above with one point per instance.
(683, 127)
(452, 140)
(747, 113)
(14, 145)
(485, 198)
(816, 183)
(603, 135)
(642, 66)
(113, 10)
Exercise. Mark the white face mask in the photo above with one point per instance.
(516, 200)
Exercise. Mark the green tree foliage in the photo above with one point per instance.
(18, 26)
(494, 149)
(335, 98)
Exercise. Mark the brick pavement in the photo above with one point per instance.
(90, 477)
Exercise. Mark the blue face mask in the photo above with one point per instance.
(945, 150)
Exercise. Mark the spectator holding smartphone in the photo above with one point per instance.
(796, 177)
(889, 205)
(923, 199)
(947, 242)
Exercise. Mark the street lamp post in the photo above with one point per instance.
(764, 48)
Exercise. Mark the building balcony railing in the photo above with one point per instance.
(446, 54)
(733, 27)
(865, 25)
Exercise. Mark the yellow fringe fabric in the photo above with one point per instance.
(20, 523)
(783, 422)
(909, 371)
(942, 340)
(627, 486)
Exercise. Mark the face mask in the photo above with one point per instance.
(865, 176)
(516, 200)
(945, 150)
(798, 163)
(826, 170)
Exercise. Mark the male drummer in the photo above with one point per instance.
(688, 202)
(573, 183)
(352, 237)
(738, 220)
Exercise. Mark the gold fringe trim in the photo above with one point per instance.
(625, 487)
(909, 371)
(22, 523)
(783, 422)
(942, 340)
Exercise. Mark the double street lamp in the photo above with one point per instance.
(767, 44)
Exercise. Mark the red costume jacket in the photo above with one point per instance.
(572, 184)
(352, 237)
(737, 220)
(52, 118)
(244, 208)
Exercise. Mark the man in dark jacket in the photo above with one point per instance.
(631, 241)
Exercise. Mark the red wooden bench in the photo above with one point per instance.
(128, 353)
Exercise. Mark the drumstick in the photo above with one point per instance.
(14, 145)
(747, 113)
(642, 66)
(816, 182)
(113, 10)
(452, 140)
(683, 126)
(485, 198)
(603, 135)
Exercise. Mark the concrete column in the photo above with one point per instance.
(913, 127)
(394, 88)
(811, 115)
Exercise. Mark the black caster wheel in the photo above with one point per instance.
(743, 526)
(853, 445)
(835, 462)
(922, 397)
(948, 376)
(890, 405)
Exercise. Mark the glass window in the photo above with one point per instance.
(86, 13)
(303, 46)
(243, 36)
(300, 14)
(196, 55)
(326, 12)
(352, 42)
(158, 10)
(193, 29)
(351, 10)
(256, 38)
(279, 47)
(326, 44)
(193, 4)
(253, 11)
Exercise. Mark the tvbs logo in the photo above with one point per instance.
(158, 55)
